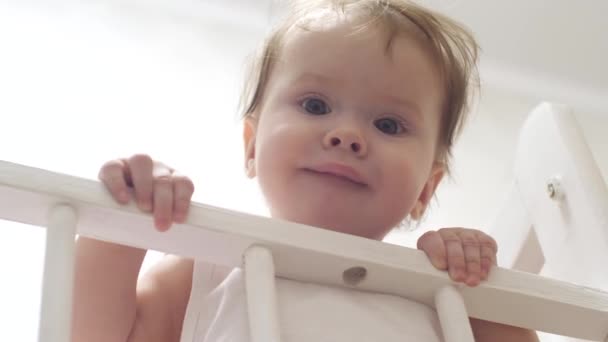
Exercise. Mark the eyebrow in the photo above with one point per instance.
(411, 106)
(308, 76)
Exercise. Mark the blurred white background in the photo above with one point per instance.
(82, 82)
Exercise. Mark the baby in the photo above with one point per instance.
(350, 113)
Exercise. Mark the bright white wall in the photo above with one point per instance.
(83, 84)
(483, 159)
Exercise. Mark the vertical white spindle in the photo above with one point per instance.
(453, 315)
(56, 306)
(261, 295)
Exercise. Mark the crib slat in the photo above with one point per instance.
(453, 316)
(58, 278)
(305, 253)
(261, 295)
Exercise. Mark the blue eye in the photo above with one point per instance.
(315, 106)
(389, 126)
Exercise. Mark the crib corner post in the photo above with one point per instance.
(453, 315)
(261, 295)
(58, 277)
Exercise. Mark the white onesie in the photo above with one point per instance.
(217, 312)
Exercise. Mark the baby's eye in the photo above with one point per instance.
(315, 106)
(389, 126)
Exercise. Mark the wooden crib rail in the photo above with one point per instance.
(304, 253)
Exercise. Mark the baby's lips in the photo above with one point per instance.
(341, 170)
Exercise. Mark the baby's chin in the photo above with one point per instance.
(348, 225)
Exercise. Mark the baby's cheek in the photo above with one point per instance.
(268, 169)
(274, 172)
(396, 201)
(401, 190)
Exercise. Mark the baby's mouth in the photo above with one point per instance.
(342, 175)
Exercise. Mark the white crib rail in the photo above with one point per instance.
(56, 306)
(304, 253)
(261, 295)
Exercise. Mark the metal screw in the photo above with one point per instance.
(551, 190)
(354, 275)
(554, 188)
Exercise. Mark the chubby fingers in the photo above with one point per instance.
(140, 168)
(489, 250)
(162, 197)
(471, 254)
(433, 246)
(183, 188)
(156, 188)
(467, 254)
(112, 175)
(172, 196)
(445, 251)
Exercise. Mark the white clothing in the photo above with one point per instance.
(217, 312)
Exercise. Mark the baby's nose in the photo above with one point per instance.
(347, 139)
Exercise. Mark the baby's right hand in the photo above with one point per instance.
(156, 187)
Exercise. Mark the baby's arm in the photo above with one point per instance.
(104, 291)
(486, 331)
(162, 298)
(110, 304)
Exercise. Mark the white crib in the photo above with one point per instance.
(557, 191)
(555, 219)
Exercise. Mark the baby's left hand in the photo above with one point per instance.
(467, 254)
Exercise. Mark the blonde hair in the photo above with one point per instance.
(453, 46)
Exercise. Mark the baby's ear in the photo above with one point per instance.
(435, 176)
(249, 134)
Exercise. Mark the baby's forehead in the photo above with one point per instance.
(327, 28)
(342, 36)
(341, 59)
(389, 23)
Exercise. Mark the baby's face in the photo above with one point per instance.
(347, 133)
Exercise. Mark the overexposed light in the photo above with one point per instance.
(84, 83)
